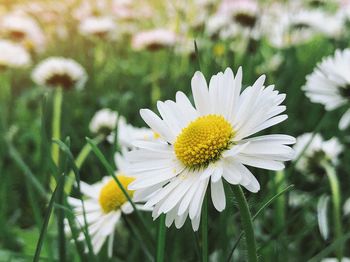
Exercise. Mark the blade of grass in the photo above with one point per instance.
(198, 59)
(74, 230)
(46, 221)
(60, 212)
(26, 170)
(85, 151)
(131, 226)
(85, 228)
(332, 247)
(268, 203)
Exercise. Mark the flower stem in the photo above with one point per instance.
(161, 239)
(204, 229)
(336, 199)
(247, 223)
(56, 129)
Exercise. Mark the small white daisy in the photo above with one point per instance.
(154, 39)
(13, 55)
(329, 84)
(104, 205)
(97, 26)
(59, 71)
(207, 143)
(317, 151)
(104, 122)
(24, 30)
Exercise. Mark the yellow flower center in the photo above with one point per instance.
(112, 197)
(203, 140)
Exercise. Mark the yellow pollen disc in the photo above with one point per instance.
(203, 140)
(112, 197)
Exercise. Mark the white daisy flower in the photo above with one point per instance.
(154, 39)
(13, 55)
(104, 204)
(128, 134)
(207, 143)
(59, 71)
(97, 26)
(317, 151)
(329, 84)
(104, 121)
(24, 30)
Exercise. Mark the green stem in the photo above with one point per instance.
(247, 223)
(161, 239)
(336, 198)
(204, 229)
(56, 129)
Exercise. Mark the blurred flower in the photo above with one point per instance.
(131, 10)
(13, 55)
(298, 198)
(24, 30)
(329, 84)
(219, 49)
(104, 204)
(243, 12)
(284, 26)
(271, 64)
(91, 8)
(154, 39)
(104, 122)
(128, 134)
(346, 207)
(317, 20)
(234, 18)
(59, 71)
(97, 26)
(317, 151)
(206, 143)
(344, 259)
